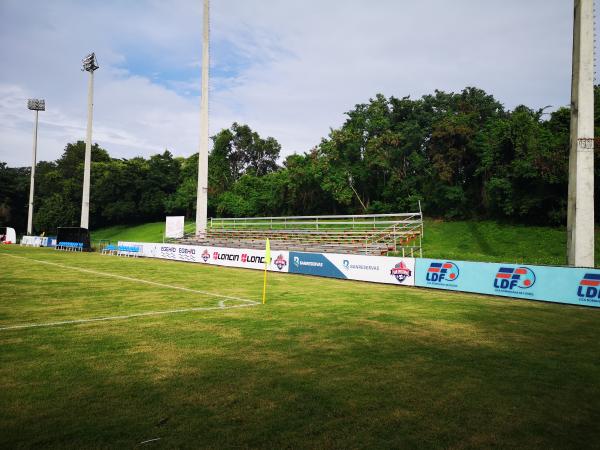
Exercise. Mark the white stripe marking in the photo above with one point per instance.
(138, 280)
(221, 304)
(129, 316)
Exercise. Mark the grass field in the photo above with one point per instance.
(461, 240)
(324, 364)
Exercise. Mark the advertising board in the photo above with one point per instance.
(576, 286)
(377, 269)
(228, 257)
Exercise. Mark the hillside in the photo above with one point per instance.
(463, 240)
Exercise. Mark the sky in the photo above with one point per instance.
(286, 68)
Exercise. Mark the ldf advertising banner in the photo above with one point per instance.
(576, 286)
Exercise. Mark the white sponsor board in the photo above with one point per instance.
(377, 269)
(34, 241)
(229, 257)
(174, 226)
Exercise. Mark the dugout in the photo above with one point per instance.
(74, 234)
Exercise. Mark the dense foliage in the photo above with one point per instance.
(461, 154)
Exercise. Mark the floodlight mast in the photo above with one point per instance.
(89, 65)
(580, 208)
(36, 105)
(202, 194)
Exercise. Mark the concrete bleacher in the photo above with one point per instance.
(372, 234)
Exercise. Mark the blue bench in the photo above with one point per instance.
(109, 250)
(128, 250)
(122, 250)
(69, 246)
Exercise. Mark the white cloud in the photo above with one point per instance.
(288, 69)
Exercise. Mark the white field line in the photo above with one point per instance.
(138, 280)
(223, 298)
(128, 316)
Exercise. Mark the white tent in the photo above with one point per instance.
(8, 235)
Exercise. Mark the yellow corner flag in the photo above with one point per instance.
(267, 261)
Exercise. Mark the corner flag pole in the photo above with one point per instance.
(267, 261)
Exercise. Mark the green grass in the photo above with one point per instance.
(497, 242)
(147, 232)
(324, 364)
(461, 240)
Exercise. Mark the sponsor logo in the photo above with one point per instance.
(280, 262)
(514, 278)
(205, 255)
(298, 262)
(225, 256)
(401, 272)
(252, 258)
(348, 266)
(589, 288)
(187, 251)
(442, 273)
(168, 252)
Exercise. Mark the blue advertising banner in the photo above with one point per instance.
(570, 285)
(313, 264)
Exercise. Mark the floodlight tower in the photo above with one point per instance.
(202, 195)
(580, 209)
(89, 65)
(36, 105)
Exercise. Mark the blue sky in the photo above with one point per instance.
(288, 69)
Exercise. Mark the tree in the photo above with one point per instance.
(239, 151)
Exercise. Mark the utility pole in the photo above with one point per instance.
(89, 65)
(580, 209)
(202, 195)
(36, 105)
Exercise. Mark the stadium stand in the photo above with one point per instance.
(370, 234)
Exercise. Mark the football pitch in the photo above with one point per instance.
(107, 352)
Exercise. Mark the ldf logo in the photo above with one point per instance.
(439, 272)
(588, 286)
(510, 278)
(401, 272)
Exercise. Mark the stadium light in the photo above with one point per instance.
(89, 65)
(36, 105)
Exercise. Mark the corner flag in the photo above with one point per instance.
(267, 261)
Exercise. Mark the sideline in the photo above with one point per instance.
(221, 305)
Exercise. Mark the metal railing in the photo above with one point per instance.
(367, 233)
(372, 221)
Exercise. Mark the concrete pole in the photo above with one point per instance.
(85, 199)
(32, 182)
(580, 209)
(202, 195)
